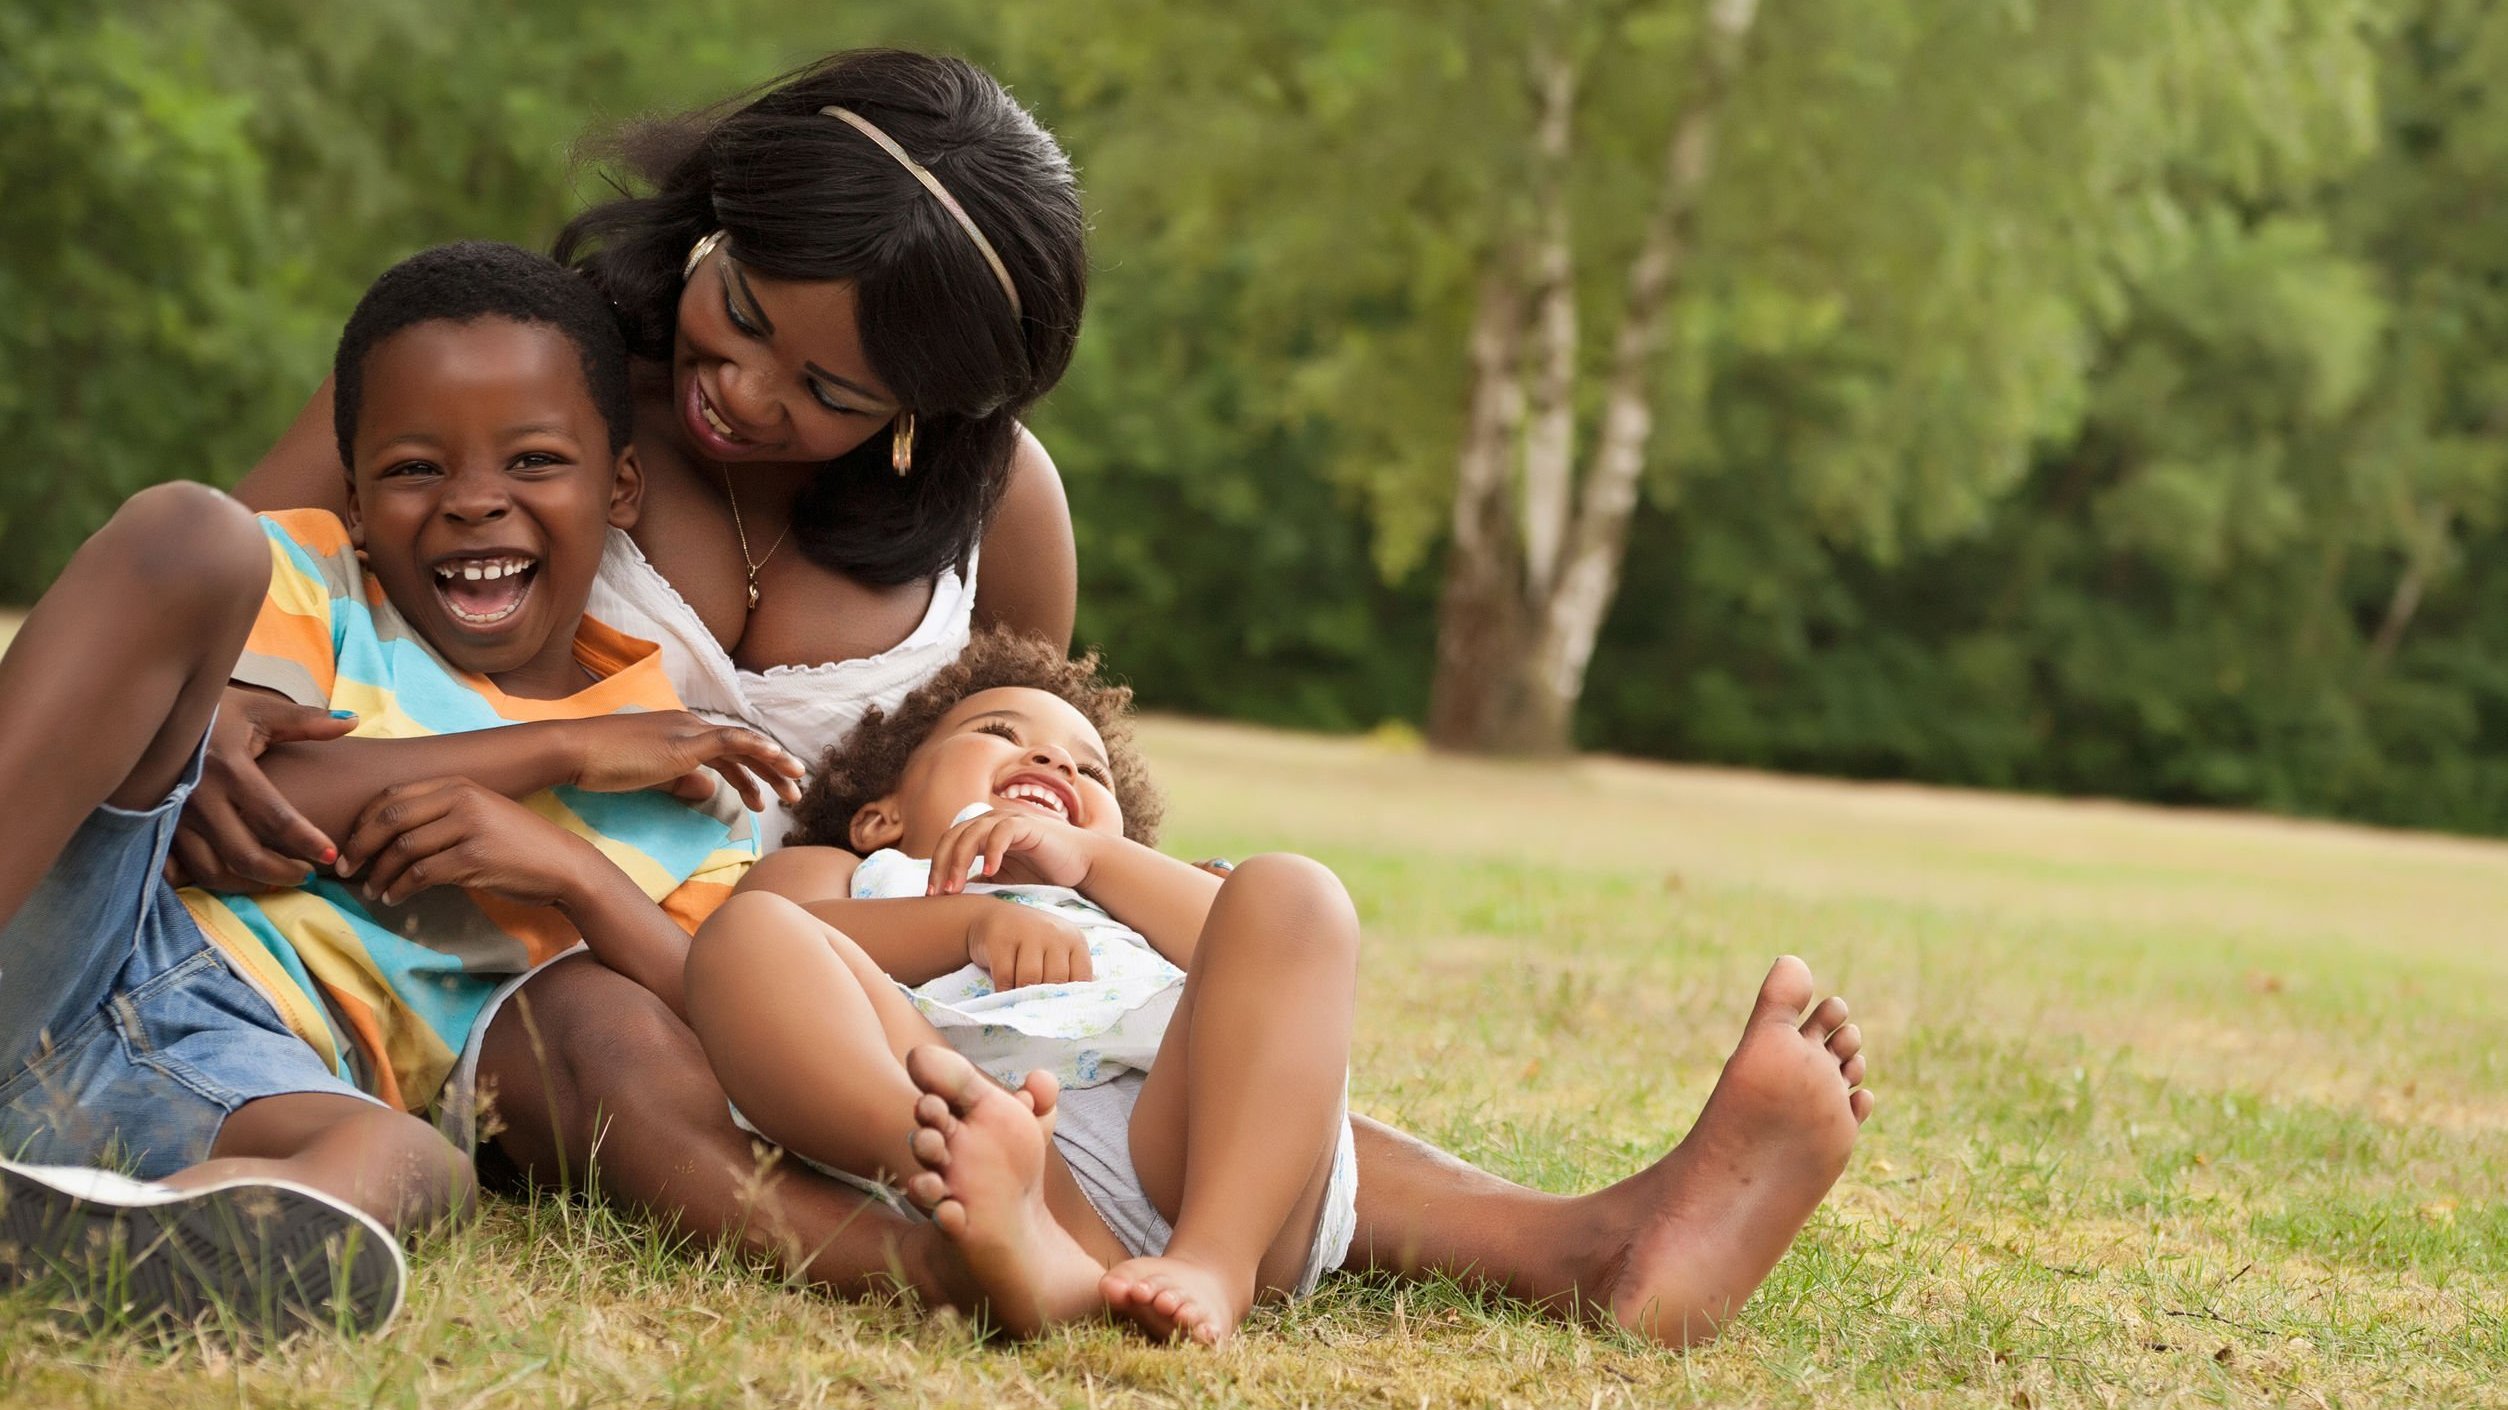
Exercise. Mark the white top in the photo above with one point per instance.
(1084, 1032)
(807, 709)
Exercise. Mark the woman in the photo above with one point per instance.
(844, 294)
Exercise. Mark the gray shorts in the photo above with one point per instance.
(1093, 1130)
(457, 1106)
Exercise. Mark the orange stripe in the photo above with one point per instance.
(544, 933)
(693, 901)
(297, 639)
(367, 1033)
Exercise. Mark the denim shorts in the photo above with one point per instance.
(124, 1037)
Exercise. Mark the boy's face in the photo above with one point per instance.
(482, 490)
(1016, 749)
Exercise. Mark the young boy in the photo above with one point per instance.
(1202, 1028)
(257, 1061)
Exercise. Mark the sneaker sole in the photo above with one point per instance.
(265, 1258)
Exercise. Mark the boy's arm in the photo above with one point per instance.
(627, 931)
(332, 781)
(455, 832)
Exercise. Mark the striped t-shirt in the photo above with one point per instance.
(389, 994)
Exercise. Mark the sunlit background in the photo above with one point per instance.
(2104, 397)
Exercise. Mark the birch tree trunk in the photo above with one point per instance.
(1510, 673)
(1481, 622)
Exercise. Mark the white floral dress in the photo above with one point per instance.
(1084, 1033)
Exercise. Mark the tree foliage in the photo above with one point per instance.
(2103, 396)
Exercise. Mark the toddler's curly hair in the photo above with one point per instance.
(867, 764)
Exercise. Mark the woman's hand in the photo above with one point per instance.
(1022, 945)
(452, 832)
(237, 833)
(672, 749)
(1037, 850)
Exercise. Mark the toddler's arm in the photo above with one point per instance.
(1167, 901)
(915, 939)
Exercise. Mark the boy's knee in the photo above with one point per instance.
(435, 1181)
(188, 545)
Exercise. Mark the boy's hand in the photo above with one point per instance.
(237, 833)
(1024, 945)
(671, 749)
(452, 832)
(1036, 850)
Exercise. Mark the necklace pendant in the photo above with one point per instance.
(753, 594)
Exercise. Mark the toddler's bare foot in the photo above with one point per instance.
(1172, 1298)
(1723, 1206)
(983, 1181)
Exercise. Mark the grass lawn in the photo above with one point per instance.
(2177, 1108)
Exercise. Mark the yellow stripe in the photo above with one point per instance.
(293, 590)
(378, 711)
(297, 1009)
(650, 876)
(327, 944)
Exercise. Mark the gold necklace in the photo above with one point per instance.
(752, 564)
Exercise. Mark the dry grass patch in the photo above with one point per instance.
(2178, 1109)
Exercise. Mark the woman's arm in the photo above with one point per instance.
(303, 470)
(1029, 579)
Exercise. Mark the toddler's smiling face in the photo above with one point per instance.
(1012, 749)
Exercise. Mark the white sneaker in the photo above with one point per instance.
(265, 1257)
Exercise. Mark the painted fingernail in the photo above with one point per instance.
(330, 854)
(343, 714)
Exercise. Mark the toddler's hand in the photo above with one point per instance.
(1022, 945)
(1038, 850)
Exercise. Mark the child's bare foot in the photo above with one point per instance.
(1172, 1298)
(1723, 1206)
(983, 1181)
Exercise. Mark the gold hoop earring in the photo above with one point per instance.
(697, 254)
(901, 444)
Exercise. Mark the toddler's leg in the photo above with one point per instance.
(807, 1035)
(1236, 1126)
(116, 673)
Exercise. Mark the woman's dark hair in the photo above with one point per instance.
(806, 196)
(463, 283)
(865, 766)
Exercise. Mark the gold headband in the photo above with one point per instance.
(940, 193)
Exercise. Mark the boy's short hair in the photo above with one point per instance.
(866, 765)
(478, 279)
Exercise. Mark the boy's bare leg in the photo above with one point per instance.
(388, 1163)
(115, 675)
(1234, 1133)
(1673, 1251)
